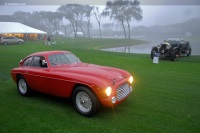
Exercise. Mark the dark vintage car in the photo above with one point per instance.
(62, 74)
(172, 48)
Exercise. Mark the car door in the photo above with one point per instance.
(37, 75)
(11, 40)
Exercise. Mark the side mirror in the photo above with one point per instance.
(20, 63)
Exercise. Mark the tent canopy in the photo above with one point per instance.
(15, 27)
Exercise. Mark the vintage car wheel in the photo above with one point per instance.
(174, 55)
(85, 102)
(189, 52)
(23, 87)
(153, 51)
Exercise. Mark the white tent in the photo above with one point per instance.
(18, 28)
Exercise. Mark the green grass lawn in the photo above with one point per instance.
(166, 96)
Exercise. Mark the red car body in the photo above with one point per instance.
(60, 78)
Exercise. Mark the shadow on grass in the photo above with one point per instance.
(67, 104)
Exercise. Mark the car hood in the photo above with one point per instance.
(96, 71)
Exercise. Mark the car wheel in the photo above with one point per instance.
(23, 87)
(153, 51)
(20, 42)
(174, 55)
(5, 43)
(189, 52)
(85, 101)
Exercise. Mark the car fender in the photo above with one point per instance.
(154, 47)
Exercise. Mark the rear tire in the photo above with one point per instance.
(85, 101)
(19, 42)
(189, 52)
(23, 87)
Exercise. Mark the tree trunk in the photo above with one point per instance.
(64, 29)
(100, 29)
(124, 29)
(88, 27)
(73, 27)
(129, 31)
(82, 30)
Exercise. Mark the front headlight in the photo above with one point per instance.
(108, 91)
(168, 46)
(130, 79)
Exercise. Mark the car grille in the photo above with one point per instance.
(123, 91)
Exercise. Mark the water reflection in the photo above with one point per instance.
(140, 49)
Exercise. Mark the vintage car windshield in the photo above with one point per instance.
(60, 59)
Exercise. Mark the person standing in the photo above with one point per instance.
(49, 40)
(45, 39)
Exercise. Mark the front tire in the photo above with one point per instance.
(23, 87)
(85, 101)
(174, 55)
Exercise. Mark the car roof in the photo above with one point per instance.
(45, 53)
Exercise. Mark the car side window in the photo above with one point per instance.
(39, 61)
(35, 62)
(27, 61)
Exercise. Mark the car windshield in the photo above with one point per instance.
(60, 59)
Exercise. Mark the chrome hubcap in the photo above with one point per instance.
(22, 86)
(83, 102)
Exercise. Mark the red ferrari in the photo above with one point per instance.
(62, 74)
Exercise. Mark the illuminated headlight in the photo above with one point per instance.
(167, 47)
(158, 46)
(130, 79)
(108, 91)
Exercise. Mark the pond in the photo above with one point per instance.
(140, 49)
(146, 48)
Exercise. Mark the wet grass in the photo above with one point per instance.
(165, 97)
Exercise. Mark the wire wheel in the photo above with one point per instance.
(22, 86)
(83, 102)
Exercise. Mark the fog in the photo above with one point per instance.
(152, 14)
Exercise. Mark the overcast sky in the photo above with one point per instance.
(152, 14)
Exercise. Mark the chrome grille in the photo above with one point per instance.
(123, 91)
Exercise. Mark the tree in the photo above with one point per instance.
(88, 12)
(132, 12)
(124, 11)
(98, 17)
(22, 17)
(55, 18)
(75, 13)
(114, 9)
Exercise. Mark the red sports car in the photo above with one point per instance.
(62, 74)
